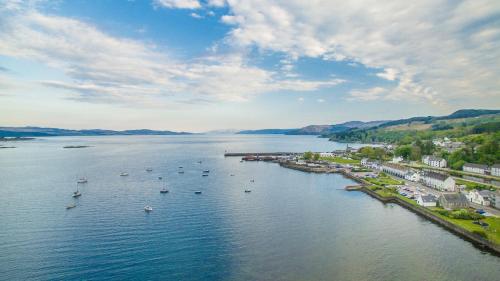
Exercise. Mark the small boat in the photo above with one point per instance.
(76, 194)
(160, 178)
(252, 181)
(199, 162)
(71, 206)
(204, 175)
(148, 209)
(123, 174)
(149, 169)
(247, 191)
(197, 192)
(82, 180)
(180, 167)
(206, 171)
(164, 191)
(241, 161)
(181, 172)
(232, 175)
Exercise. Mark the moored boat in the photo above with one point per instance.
(123, 174)
(164, 190)
(197, 192)
(148, 209)
(82, 180)
(76, 194)
(149, 169)
(71, 206)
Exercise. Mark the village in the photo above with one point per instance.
(468, 199)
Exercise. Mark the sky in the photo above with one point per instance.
(199, 65)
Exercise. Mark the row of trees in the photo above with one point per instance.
(311, 156)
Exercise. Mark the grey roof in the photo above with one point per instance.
(428, 198)
(485, 193)
(397, 167)
(435, 175)
(496, 166)
(472, 165)
(454, 198)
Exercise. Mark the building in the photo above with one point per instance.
(364, 161)
(452, 201)
(394, 169)
(427, 200)
(475, 168)
(412, 176)
(495, 170)
(434, 161)
(495, 199)
(397, 159)
(438, 181)
(326, 154)
(373, 164)
(481, 197)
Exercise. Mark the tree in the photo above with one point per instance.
(308, 155)
(316, 156)
(404, 151)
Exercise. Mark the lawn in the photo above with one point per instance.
(341, 160)
(384, 180)
(492, 231)
(472, 185)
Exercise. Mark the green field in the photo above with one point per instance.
(384, 180)
(341, 160)
(492, 231)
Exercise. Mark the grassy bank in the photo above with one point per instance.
(341, 160)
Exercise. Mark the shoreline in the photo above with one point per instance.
(475, 239)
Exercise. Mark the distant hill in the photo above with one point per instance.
(266, 132)
(51, 132)
(316, 129)
(457, 124)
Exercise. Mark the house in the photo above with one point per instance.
(495, 199)
(475, 168)
(495, 170)
(481, 197)
(364, 161)
(397, 159)
(394, 169)
(438, 181)
(412, 176)
(434, 161)
(452, 201)
(326, 154)
(428, 200)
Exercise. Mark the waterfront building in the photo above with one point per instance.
(434, 161)
(475, 168)
(438, 181)
(428, 200)
(481, 197)
(495, 170)
(452, 201)
(394, 169)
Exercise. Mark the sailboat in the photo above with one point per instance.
(76, 193)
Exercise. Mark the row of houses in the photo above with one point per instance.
(484, 198)
(439, 181)
(482, 169)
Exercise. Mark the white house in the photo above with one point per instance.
(397, 159)
(438, 181)
(364, 161)
(475, 168)
(427, 200)
(495, 170)
(394, 169)
(412, 176)
(481, 197)
(326, 154)
(434, 161)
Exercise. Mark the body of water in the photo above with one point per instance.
(292, 226)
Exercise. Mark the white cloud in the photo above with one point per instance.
(103, 68)
(217, 3)
(436, 50)
(389, 74)
(179, 4)
(367, 95)
(196, 16)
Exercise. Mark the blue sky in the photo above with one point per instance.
(203, 65)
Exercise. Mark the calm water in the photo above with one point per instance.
(293, 226)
